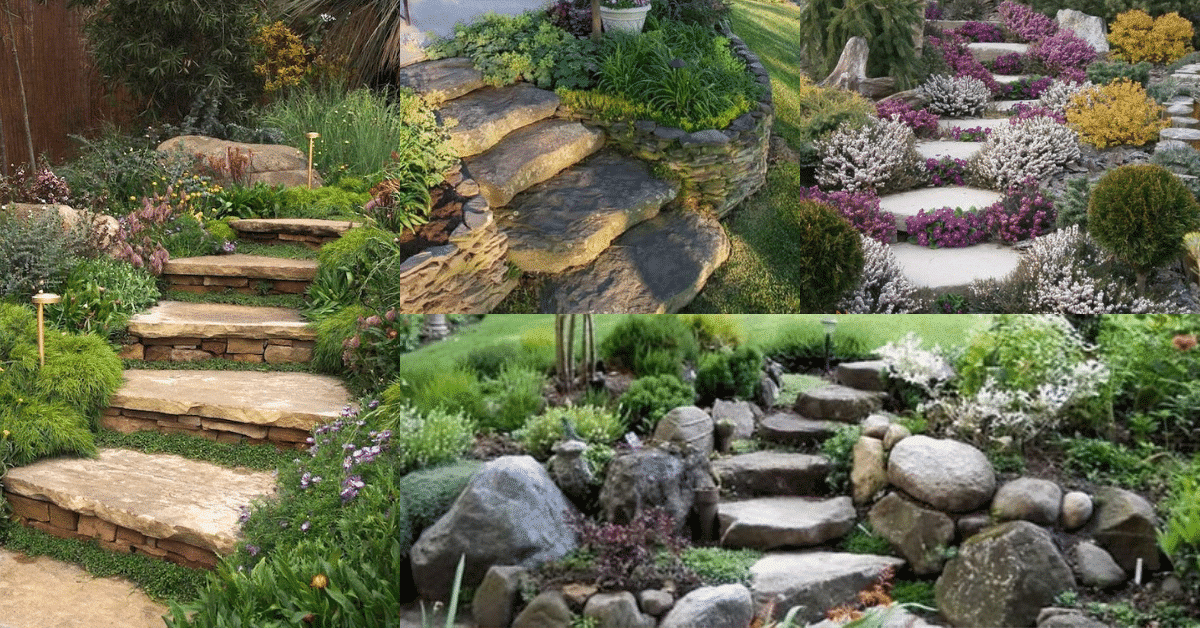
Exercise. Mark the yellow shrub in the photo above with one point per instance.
(1116, 114)
(1135, 36)
(283, 57)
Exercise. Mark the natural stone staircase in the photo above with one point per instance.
(247, 274)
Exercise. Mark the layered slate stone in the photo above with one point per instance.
(158, 504)
(951, 269)
(908, 204)
(772, 473)
(572, 218)
(311, 231)
(773, 522)
(184, 332)
(657, 267)
(480, 119)
(441, 80)
(529, 156)
(814, 581)
(240, 273)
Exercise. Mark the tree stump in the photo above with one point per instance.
(851, 69)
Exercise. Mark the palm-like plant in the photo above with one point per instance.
(370, 33)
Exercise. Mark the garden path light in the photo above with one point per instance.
(43, 299)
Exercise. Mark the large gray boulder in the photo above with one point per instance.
(687, 425)
(1124, 524)
(920, 534)
(1089, 28)
(616, 610)
(815, 581)
(1030, 499)
(492, 605)
(947, 474)
(511, 513)
(1095, 567)
(728, 605)
(1003, 576)
(741, 413)
(649, 478)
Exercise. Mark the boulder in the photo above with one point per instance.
(741, 413)
(103, 228)
(1030, 499)
(946, 474)
(492, 605)
(616, 610)
(1003, 576)
(768, 392)
(921, 535)
(895, 433)
(571, 471)
(869, 375)
(772, 473)
(815, 581)
(875, 425)
(1076, 510)
(972, 524)
(649, 478)
(868, 475)
(837, 403)
(773, 522)
(655, 602)
(1052, 617)
(1124, 524)
(547, 610)
(271, 164)
(1095, 567)
(726, 605)
(1089, 28)
(689, 426)
(510, 513)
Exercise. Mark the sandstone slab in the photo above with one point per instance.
(266, 163)
(293, 400)
(951, 476)
(39, 592)
(239, 265)
(787, 428)
(480, 119)
(174, 319)
(158, 495)
(570, 219)
(837, 403)
(656, 267)
(314, 227)
(944, 270)
(772, 522)
(442, 79)
(908, 204)
(764, 473)
(530, 155)
(815, 581)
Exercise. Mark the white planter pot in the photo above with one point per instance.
(628, 20)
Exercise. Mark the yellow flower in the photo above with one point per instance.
(319, 581)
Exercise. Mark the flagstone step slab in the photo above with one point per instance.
(789, 428)
(311, 231)
(834, 402)
(773, 522)
(953, 269)
(162, 505)
(952, 149)
(480, 119)
(572, 218)
(772, 473)
(1009, 79)
(990, 51)
(442, 79)
(227, 406)
(247, 274)
(815, 581)
(657, 267)
(945, 124)
(1004, 106)
(184, 332)
(530, 155)
(907, 204)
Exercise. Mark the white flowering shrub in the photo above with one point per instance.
(883, 288)
(1058, 95)
(1035, 147)
(955, 96)
(926, 369)
(879, 156)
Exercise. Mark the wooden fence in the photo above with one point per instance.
(64, 92)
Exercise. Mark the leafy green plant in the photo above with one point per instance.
(839, 449)
(650, 345)
(649, 398)
(100, 295)
(594, 425)
(863, 540)
(817, 251)
(488, 360)
(196, 448)
(426, 387)
(1106, 462)
(36, 252)
(718, 565)
(723, 375)
(332, 333)
(514, 395)
(1180, 536)
(1103, 72)
(706, 13)
(372, 355)
(887, 26)
(1181, 161)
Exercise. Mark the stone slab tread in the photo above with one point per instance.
(175, 319)
(239, 265)
(293, 226)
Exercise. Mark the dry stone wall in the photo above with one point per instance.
(128, 420)
(179, 349)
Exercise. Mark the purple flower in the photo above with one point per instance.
(229, 247)
(980, 32)
(860, 208)
(244, 514)
(252, 550)
(373, 321)
(1025, 23)
(1011, 63)
(372, 404)
(1062, 53)
(946, 171)
(350, 487)
(922, 122)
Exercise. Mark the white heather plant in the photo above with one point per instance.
(927, 369)
(1035, 147)
(879, 156)
(955, 96)
(1058, 95)
(883, 289)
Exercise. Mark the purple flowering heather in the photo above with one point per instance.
(961, 61)
(949, 227)
(1024, 112)
(1011, 63)
(946, 171)
(1024, 23)
(923, 123)
(982, 32)
(1024, 212)
(1024, 89)
(860, 208)
(973, 134)
(1062, 53)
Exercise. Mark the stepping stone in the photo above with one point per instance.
(479, 120)
(306, 230)
(1009, 79)
(906, 204)
(787, 428)
(990, 51)
(945, 124)
(834, 402)
(952, 149)
(1004, 106)
(529, 156)
(656, 267)
(815, 581)
(869, 375)
(950, 270)
(168, 499)
(572, 218)
(772, 473)
(1190, 136)
(243, 273)
(441, 80)
(774, 522)
(183, 332)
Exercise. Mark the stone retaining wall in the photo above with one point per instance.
(127, 421)
(244, 285)
(717, 168)
(312, 241)
(175, 349)
(67, 524)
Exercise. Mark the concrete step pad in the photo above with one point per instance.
(293, 227)
(238, 265)
(1005, 106)
(945, 124)
(480, 119)
(656, 267)
(441, 80)
(764, 473)
(834, 402)
(954, 150)
(789, 428)
(990, 51)
(168, 502)
(175, 319)
(773, 522)
(949, 270)
(907, 204)
(572, 218)
(530, 155)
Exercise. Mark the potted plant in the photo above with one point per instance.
(624, 15)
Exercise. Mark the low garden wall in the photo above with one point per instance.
(717, 169)
(128, 420)
(180, 349)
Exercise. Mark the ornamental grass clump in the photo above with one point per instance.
(1135, 36)
(1038, 147)
(880, 156)
(1116, 114)
(955, 96)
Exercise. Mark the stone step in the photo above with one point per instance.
(815, 581)
(869, 375)
(952, 149)
(1005, 106)
(834, 402)
(953, 269)
(227, 406)
(166, 506)
(656, 267)
(572, 218)
(908, 204)
(789, 428)
(1189, 73)
(311, 231)
(946, 124)
(441, 80)
(480, 119)
(769, 473)
(1009, 79)
(184, 332)
(530, 155)
(990, 51)
(950, 25)
(247, 274)
(774, 522)
(1189, 136)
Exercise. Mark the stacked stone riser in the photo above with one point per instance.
(67, 524)
(254, 350)
(201, 284)
(311, 241)
(127, 421)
